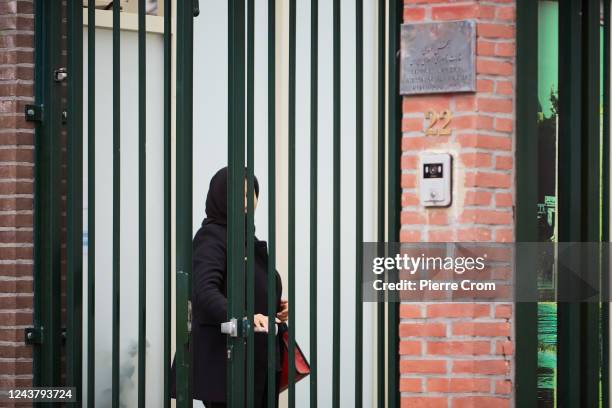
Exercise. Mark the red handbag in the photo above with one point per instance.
(302, 368)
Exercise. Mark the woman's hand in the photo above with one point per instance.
(260, 323)
(283, 315)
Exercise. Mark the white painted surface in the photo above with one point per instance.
(129, 217)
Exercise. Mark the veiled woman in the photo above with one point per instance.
(209, 302)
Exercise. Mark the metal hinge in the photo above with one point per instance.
(33, 335)
(236, 328)
(33, 113)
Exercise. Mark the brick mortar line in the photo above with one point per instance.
(496, 3)
(453, 357)
(462, 376)
(16, 65)
(16, 376)
(19, 14)
(494, 58)
(13, 344)
(16, 359)
(16, 163)
(417, 208)
(491, 356)
(457, 132)
(496, 40)
(454, 319)
(442, 229)
(29, 130)
(457, 394)
(478, 189)
(15, 31)
(467, 113)
(466, 170)
(17, 81)
(19, 98)
(452, 395)
(16, 279)
(14, 114)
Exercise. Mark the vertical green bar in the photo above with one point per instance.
(39, 187)
(605, 221)
(236, 248)
(358, 203)
(184, 202)
(591, 330)
(291, 199)
(592, 112)
(250, 386)
(271, 381)
(526, 195)
(314, 123)
(142, 203)
(336, 204)
(47, 210)
(603, 81)
(167, 197)
(116, 202)
(91, 203)
(380, 202)
(571, 194)
(394, 207)
(74, 214)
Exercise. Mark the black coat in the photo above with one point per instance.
(209, 308)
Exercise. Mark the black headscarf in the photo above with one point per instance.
(216, 199)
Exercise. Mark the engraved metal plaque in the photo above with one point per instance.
(438, 58)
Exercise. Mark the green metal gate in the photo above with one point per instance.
(58, 112)
(582, 33)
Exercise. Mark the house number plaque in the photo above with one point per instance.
(438, 57)
(438, 123)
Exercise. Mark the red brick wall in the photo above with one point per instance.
(16, 190)
(461, 355)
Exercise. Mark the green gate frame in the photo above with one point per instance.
(50, 116)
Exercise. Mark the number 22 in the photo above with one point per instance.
(442, 119)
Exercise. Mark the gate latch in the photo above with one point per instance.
(235, 327)
(230, 328)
